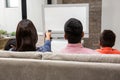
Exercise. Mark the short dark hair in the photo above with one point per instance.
(73, 29)
(26, 36)
(9, 43)
(107, 38)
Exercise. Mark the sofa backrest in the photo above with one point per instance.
(32, 69)
(27, 55)
(102, 58)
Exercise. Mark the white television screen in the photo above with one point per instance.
(55, 16)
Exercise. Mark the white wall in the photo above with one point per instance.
(9, 17)
(111, 18)
(35, 12)
(1, 13)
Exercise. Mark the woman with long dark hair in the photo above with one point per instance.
(26, 38)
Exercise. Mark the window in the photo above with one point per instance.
(12, 3)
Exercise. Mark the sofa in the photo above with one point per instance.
(58, 66)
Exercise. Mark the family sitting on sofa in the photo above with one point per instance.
(26, 39)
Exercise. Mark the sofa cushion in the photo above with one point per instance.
(28, 55)
(105, 58)
(31, 69)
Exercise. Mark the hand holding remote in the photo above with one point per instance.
(48, 35)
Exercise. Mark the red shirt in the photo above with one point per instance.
(108, 50)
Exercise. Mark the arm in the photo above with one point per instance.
(47, 45)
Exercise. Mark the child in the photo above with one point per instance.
(107, 41)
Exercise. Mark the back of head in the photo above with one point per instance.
(26, 36)
(73, 29)
(9, 44)
(107, 38)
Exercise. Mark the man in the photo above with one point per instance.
(73, 33)
(107, 41)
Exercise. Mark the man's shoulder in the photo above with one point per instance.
(89, 50)
(80, 50)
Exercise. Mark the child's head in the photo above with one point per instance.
(107, 38)
(73, 31)
(11, 44)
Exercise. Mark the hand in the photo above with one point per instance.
(13, 46)
(48, 35)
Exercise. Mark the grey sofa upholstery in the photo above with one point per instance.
(31, 69)
(55, 66)
(21, 55)
(101, 58)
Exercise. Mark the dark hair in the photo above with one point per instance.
(73, 29)
(107, 38)
(26, 36)
(9, 44)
